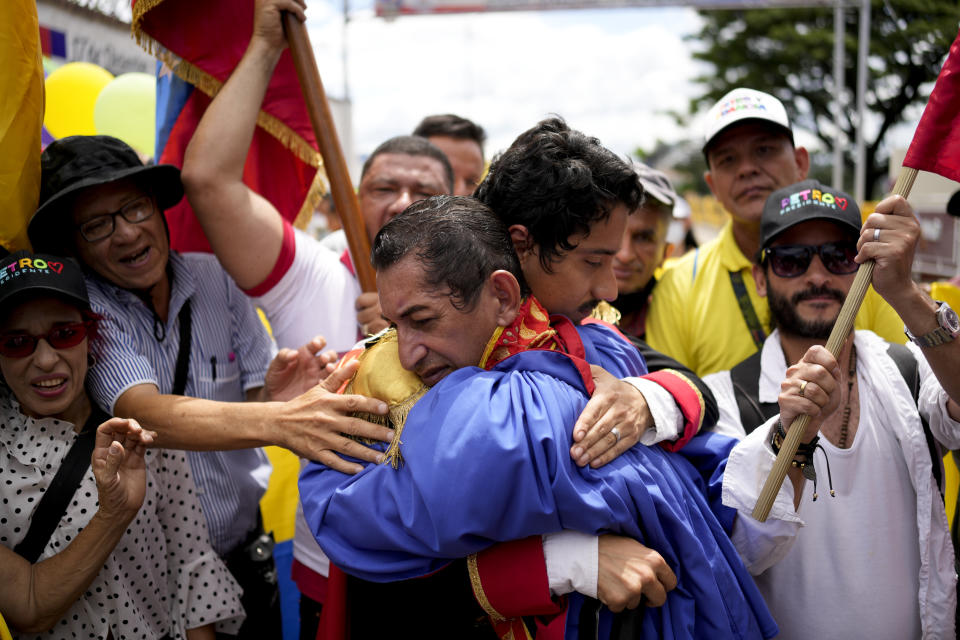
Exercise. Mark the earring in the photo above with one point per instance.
(91, 360)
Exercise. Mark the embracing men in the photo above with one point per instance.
(483, 453)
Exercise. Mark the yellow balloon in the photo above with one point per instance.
(126, 109)
(72, 91)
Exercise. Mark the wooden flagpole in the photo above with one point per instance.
(341, 188)
(834, 343)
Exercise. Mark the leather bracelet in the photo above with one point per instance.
(804, 463)
(803, 449)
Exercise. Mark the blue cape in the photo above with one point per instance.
(487, 460)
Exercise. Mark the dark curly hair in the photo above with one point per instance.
(558, 182)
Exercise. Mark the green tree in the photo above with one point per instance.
(789, 53)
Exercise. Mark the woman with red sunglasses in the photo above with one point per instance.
(80, 555)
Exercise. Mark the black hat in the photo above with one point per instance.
(803, 201)
(24, 273)
(74, 163)
(656, 184)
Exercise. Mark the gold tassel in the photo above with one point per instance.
(400, 389)
(395, 419)
(398, 416)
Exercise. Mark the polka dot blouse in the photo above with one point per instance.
(161, 579)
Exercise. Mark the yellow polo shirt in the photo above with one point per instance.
(695, 318)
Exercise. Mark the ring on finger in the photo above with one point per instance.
(803, 387)
(616, 434)
(876, 235)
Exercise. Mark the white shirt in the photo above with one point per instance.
(854, 539)
(315, 296)
(892, 462)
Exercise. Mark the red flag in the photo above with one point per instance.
(936, 144)
(201, 43)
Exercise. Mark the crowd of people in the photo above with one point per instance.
(524, 432)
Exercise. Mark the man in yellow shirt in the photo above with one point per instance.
(706, 312)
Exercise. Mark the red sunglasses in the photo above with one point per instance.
(62, 336)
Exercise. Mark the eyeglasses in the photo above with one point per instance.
(63, 336)
(793, 260)
(102, 227)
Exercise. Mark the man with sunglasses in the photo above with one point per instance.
(874, 557)
(706, 311)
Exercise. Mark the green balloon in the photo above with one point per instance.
(127, 109)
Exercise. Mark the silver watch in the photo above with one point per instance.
(947, 331)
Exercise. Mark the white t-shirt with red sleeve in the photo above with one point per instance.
(309, 292)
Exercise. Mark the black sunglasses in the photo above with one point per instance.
(63, 336)
(793, 260)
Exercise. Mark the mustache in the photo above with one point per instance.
(817, 292)
(588, 307)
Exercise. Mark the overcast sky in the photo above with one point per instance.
(611, 73)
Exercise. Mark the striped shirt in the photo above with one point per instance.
(229, 354)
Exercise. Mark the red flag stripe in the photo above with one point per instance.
(936, 143)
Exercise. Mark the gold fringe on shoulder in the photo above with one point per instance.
(606, 312)
(398, 417)
(381, 376)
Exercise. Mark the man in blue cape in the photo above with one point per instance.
(482, 455)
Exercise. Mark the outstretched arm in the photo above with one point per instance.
(312, 425)
(245, 230)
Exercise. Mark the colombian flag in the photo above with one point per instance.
(21, 119)
(283, 163)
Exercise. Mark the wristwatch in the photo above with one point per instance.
(948, 330)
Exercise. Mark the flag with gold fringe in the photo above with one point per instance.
(283, 164)
(21, 119)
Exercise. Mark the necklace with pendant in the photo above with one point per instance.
(851, 377)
